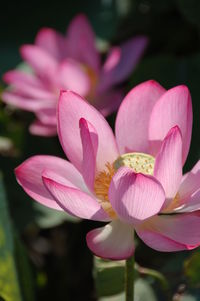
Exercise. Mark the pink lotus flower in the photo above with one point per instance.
(134, 181)
(70, 62)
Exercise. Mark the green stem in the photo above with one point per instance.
(157, 275)
(129, 279)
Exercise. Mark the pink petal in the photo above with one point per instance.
(47, 116)
(191, 204)
(27, 84)
(41, 129)
(190, 183)
(18, 76)
(29, 176)
(159, 242)
(38, 59)
(122, 61)
(74, 201)
(52, 42)
(189, 191)
(89, 140)
(109, 102)
(135, 197)
(114, 241)
(168, 164)
(177, 107)
(81, 42)
(71, 108)
(112, 59)
(23, 102)
(71, 75)
(180, 229)
(133, 117)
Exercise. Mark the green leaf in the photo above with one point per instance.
(109, 277)
(9, 284)
(143, 292)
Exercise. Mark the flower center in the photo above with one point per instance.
(139, 162)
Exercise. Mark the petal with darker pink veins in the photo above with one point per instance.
(168, 164)
(159, 242)
(133, 117)
(190, 182)
(192, 204)
(71, 108)
(171, 232)
(189, 191)
(89, 140)
(29, 176)
(73, 200)
(135, 197)
(173, 108)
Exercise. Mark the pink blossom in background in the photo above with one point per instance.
(133, 181)
(70, 62)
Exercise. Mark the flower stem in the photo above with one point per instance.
(129, 279)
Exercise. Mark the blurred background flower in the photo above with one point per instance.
(73, 62)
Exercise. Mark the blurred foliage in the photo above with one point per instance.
(50, 218)
(16, 281)
(190, 10)
(143, 292)
(109, 277)
(24, 271)
(9, 282)
(194, 296)
(61, 262)
(109, 280)
(192, 268)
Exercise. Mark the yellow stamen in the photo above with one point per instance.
(101, 187)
